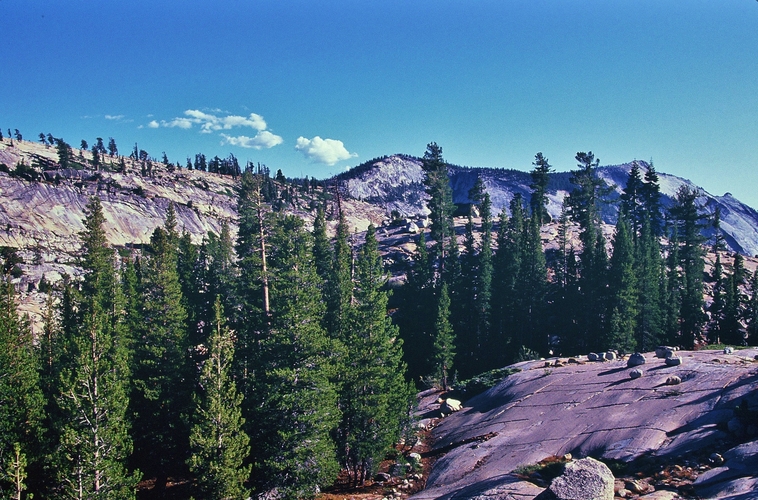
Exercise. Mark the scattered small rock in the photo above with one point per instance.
(636, 373)
(635, 359)
(637, 487)
(673, 380)
(728, 350)
(674, 361)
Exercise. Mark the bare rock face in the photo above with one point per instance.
(591, 409)
(585, 479)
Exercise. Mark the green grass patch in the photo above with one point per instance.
(483, 381)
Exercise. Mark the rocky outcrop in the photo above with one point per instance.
(593, 409)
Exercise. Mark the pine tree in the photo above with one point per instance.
(650, 194)
(322, 249)
(483, 284)
(440, 202)
(444, 339)
(649, 267)
(687, 225)
(21, 398)
(531, 289)
(338, 287)
(631, 201)
(296, 406)
(506, 267)
(751, 311)
(584, 208)
(373, 393)
(94, 378)
(162, 376)
(218, 444)
(623, 290)
(252, 318)
(734, 304)
(540, 179)
(464, 312)
(415, 317)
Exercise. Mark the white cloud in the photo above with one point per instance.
(114, 117)
(328, 151)
(184, 123)
(263, 139)
(213, 121)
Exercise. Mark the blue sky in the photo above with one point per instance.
(315, 87)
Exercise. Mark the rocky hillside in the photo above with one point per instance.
(682, 427)
(396, 183)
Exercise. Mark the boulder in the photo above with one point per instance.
(636, 373)
(664, 351)
(635, 359)
(585, 479)
(673, 380)
(610, 356)
(728, 350)
(593, 357)
(412, 228)
(674, 361)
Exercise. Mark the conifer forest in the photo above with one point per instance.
(268, 364)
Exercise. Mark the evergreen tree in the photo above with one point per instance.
(623, 290)
(252, 317)
(415, 317)
(649, 266)
(65, 153)
(584, 208)
(373, 394)
(112, 148)
(506, 267)
(94, 377)
(444, 339)
(296, 406)
(650, 194)
(687, 226)
(751, 311)
(734, 304)
(632, 202)
(531, 289)
(483, 284)
(716, 308)
(464, 313)
(162, 376)
(338, 287)
(218, 444)
(21, 399)
(322, 249)
(440, 194)
(540, 179)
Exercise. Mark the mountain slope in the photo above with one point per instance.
(396, 182)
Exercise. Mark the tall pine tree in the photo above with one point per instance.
(94, 380)
(218, 444)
